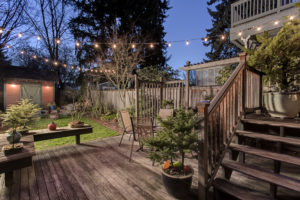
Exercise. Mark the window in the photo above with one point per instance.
(207, 77)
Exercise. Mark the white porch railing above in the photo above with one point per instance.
(248, 10)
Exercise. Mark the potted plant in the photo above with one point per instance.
(77, 113)
(278, 58)
(28, 113)
(177, 137)
(168, 104)
(12, 119)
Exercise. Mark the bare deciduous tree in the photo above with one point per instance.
(11, 18)
(119, 61)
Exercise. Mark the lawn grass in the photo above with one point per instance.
(99, 131)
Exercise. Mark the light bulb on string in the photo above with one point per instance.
(114, 46)
(276, 22)
(151, 46)
(7, 46)
(20, 35)
(187, 42)
(58, 41)
(64, 65)
(77, 44)
(38, 38)
(34, 57)
(169, 44)
(72, 67)
(223, 37)
(292, 17)
(133, 46)
(206, 39)
(96, 45)
(55, 63)
(258, 28)
(22, 52)
(1, 30)
(240, 33)
(46, 60)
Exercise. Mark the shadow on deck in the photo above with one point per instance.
(93, 170)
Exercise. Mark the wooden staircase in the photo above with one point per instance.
(247, 143)
(235, 144)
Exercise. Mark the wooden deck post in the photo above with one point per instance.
(203, 158)
(187, 88)
(243, 57)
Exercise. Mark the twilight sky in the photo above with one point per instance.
(187, 19)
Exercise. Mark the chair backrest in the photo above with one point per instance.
(165, 113)
(126, 120)
(144, 128)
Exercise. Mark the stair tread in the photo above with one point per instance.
(272, 123)
(274, 138)
(266, 154)
(263, 175)
(238, 191)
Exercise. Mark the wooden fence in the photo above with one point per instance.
(171, 91)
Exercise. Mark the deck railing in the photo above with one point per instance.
(241, 92)
(247, 10)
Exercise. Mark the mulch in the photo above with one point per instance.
(109, 124)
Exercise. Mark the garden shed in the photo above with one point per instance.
(18, 83)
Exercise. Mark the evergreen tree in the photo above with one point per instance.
(221, 19)
(98, 20)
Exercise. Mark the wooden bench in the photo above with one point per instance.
(16, 161)
(45, 134)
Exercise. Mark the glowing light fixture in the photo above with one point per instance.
(258, 28)
(20, 35)
(187, 42)
(169, 44)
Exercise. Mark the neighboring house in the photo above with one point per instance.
(18, 83)
(206, 73)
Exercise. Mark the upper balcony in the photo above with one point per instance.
(251, 17)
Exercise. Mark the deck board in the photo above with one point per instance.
(94, 170)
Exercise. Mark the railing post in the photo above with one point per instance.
(203, 158)
(187, 88)
(243, 58)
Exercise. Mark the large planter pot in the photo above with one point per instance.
(283, 105)
(178, 186)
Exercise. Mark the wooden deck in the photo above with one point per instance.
(93, 170)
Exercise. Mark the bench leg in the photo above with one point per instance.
(77, 139)
(8, 178)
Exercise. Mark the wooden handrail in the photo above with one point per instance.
(222, 116)
(217, 99)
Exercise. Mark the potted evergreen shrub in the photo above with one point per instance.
(170, 145)
(278, 57)
(29, 112)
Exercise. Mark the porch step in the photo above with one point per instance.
(263, 175)
(272, 123)
(238, 191)
(266, 154)
(273, 138)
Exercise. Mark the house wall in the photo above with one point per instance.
(12, 93)
(47, 94)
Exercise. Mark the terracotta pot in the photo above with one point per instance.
(178, 186)
(283, 105)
